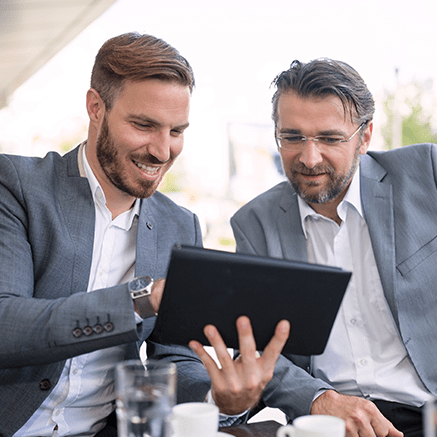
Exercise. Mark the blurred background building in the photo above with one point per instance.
(236, 48)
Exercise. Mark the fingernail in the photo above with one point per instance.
(284, 327)
(193, 345)
(243, 323)
(209, 331)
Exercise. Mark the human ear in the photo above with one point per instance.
(94, 105)
(367, 136)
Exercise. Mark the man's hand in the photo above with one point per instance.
(362, 417)
(239, 384)
(156, 295)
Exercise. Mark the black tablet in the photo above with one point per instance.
(207, 286)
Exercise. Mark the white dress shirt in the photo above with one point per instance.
(365, 355)
(84, 395)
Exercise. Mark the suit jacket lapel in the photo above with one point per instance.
(293, 243)
(146, 263)
(147, 242)
(77, 207)
(377, 200)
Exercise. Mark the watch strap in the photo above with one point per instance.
(140, 289)
(144, 307)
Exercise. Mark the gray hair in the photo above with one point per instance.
(324, 77)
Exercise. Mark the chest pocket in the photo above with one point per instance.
(418, 257)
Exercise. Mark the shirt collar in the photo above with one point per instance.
(96, 189)
(352, 198)
(123, 220)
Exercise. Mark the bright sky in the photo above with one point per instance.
(236, 48)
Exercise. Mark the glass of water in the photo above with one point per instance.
(146, 394)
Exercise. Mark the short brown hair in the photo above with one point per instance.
(324, 77)
(134, 56)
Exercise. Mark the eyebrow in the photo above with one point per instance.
(322, 133)
(290, 131)
(148, 120)
(182, 126)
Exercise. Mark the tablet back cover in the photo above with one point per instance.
(207, 286)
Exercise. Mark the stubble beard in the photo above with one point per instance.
(335, 186)
(115, 171)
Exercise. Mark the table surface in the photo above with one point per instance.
(267, 428)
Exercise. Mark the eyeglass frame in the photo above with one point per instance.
(315, 139)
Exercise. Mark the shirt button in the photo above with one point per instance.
(75, 371)
(363, 363)
(353, 321)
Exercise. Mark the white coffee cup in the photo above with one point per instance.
(314, 426)
(195, 419)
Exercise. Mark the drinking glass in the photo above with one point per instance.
(145, 396)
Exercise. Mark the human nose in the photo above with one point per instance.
(160, 146)
(310, 154)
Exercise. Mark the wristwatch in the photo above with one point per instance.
(140, 289)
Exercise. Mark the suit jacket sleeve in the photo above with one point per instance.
(193, 379)
(44, 307)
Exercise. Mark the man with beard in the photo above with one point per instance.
(372, 213)
(81, 235)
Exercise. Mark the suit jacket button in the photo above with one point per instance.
(88, 330)
(108, 326)
(77, 332)
(98, 328)
(149, 225)
(45, 384)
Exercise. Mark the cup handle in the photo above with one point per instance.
(285, 431)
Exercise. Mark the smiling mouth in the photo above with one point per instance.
(147, 168)
(312, 174)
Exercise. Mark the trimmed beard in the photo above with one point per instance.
(108, 157)
(336, 185)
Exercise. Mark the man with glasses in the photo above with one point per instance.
(372, 213)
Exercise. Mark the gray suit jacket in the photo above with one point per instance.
(399, 197)
(46, 242)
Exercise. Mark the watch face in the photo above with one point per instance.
(140, 283)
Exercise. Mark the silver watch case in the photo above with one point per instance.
(140, 287)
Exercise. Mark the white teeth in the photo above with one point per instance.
(147, 168)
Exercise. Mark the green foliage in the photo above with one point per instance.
(67, 145)
(416, 126)
(226, 241)
(173, 182)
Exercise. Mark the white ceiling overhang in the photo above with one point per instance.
(33, 31)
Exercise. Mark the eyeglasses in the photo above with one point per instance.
(296, 142)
